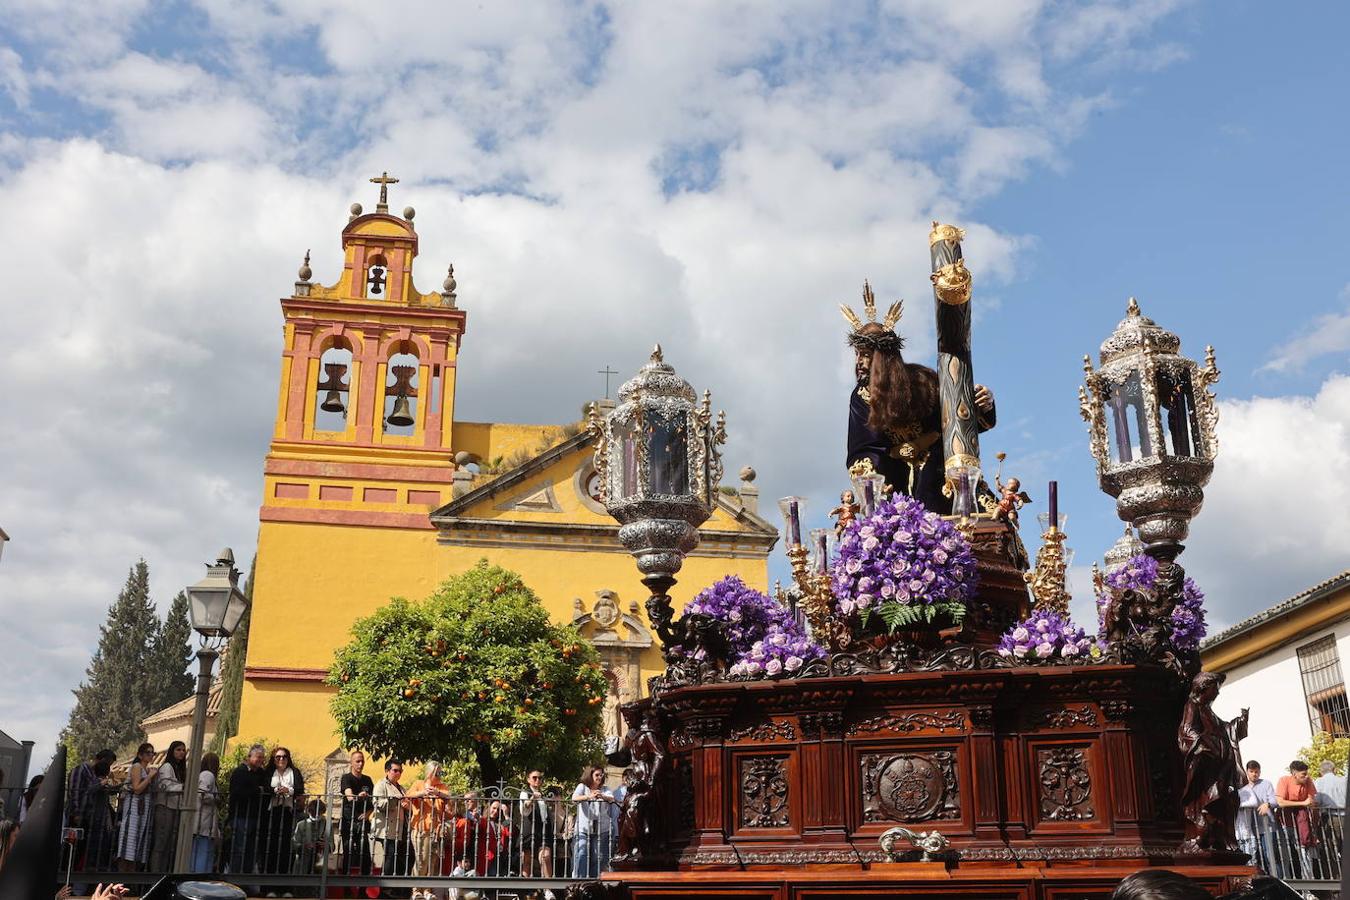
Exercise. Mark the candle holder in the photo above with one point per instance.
(810, 592)
(868, 490)
(820, 550)
(794, 510)
(1047, 579)
(964, 481)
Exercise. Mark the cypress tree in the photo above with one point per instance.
(170, 655)
(232, 673)
(112, 699)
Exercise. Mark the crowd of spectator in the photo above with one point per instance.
(272, 825)
(1283, 827)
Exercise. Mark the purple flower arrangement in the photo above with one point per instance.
(905, 564)
(1045, 637)
(761, 634)
(1140, 573)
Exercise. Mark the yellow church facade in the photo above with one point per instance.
(372, 490)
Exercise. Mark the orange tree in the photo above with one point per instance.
(475, 672)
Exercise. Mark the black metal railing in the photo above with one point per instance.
(499, 841)
(1300, 846)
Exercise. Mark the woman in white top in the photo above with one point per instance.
(594, 836)
(207, 832)
(168, 807)
(284, 784)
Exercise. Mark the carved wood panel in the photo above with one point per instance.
(911, 786)
(1065, 779)
(763, 788)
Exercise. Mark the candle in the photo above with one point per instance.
(794, 518)
(822, 551)
(1053, 499)
(869, 497)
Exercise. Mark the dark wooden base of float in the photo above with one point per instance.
(914, 881)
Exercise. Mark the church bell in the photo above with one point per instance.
(401, 414)
(333, 403)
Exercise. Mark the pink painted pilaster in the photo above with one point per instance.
(298, 391)
(366, 399)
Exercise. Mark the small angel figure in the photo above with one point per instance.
(1011, 499)
(844, 513)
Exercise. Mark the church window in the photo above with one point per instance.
(333, 388)
(1324, 687)
(377, 277)
(400, 393)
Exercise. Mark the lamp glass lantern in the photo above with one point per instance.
(215, 604)
(1152, 427)
(659, 464)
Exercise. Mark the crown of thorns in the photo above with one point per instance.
(886, 340)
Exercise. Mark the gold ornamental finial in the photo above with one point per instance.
(1132, 308)
(383, 181)
(893, 314)
(942, 232)
(869, 301)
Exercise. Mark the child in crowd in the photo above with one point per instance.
(308, 839)
(463, 869)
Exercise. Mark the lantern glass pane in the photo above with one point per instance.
(668, 453)
(1176, 405)
(625, 468)
(1126, 420)
(197, 608)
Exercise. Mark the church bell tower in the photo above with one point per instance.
(365, 411)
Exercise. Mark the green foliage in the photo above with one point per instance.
(917, 615)
(116, 693)
(1325, 747)
(477, 671)
(170, 655)
(232, 673)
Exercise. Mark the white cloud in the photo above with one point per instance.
(1328, 334)
(144, 378)
(1278, 507)
(13, 79)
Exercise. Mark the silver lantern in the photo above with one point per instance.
(659, 465)
(1151, 420)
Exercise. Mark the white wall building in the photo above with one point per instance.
(1286, 665)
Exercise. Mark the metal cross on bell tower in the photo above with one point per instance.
(383, 181)
(607, 372)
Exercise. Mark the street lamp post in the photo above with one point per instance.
(216, 606)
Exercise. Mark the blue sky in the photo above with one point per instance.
(716, 177)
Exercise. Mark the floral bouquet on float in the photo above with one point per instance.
(1139, 574)
(902, 567)
(1047, 637)
(763, 640)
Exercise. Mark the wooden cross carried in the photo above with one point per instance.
(383, 181)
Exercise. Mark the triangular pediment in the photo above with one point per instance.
(555, 490)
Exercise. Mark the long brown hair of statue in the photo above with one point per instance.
(902, 393)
